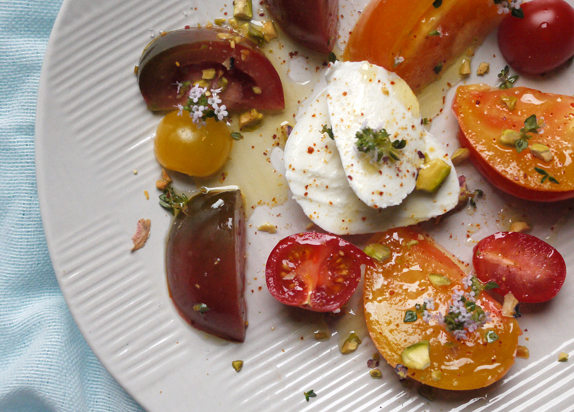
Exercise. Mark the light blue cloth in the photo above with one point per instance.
(45, 364)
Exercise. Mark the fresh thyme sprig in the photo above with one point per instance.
(171, 201)
(506, 81)
(378, 145)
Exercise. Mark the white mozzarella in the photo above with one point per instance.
(319, 184)
(362, 95)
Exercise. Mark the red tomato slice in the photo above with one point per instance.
(541, 41)
(483, 116)
(520, 263)
(314, 271)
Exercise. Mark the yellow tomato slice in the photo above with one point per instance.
(397, 284)
(420, 43)
(483, 116)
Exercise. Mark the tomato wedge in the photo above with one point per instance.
(522, 264)
(483, 116)
(408, 277)
(182, 56)
(314, 271)
(419, 44)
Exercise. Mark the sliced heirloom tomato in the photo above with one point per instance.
(421, 42)
(483, 116)
(206, 263)
(248, 78)
(311, 23)
(528, 267)
(314, 271)
(404, 280)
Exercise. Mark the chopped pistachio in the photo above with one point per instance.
(432, 175)
(286, 129)
(257, 90)
(522, 352)
(509, 101)
(208, 74)
(416, 356)
(201, 83)
(490, 336)
(464, 68)
(237, 365)
(460, 155)
(470, 51)
(509, 137)
(222, 83)
(541, 152)
(519, 227)
(321, 335)
(233, 22)
(483, 68)
(252, 33)
(438, 280)
(436, 375)
(562, 357)
(375, 374)
(377, 251)
(510, 307)
(220, 21)
(250, 120)
(351, 344)
(267, 227)
(269, 31)
(243, 9)
(412, 243)
(224, 36)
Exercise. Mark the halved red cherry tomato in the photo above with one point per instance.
(314, 271)
(240, 69)
(520, 263)
(542, 40)
(483, 116)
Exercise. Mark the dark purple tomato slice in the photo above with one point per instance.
(520, 263)
(310, 23)
(314, 271)
(248, 78)
(206, 264)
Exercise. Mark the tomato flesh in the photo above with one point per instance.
(311, 23)
(182, 55)
(522, 264)
(180, 145)
(206, 264)
(402, 41)
(541, 41)
(314, 271)
(483, 116)
(397, 284)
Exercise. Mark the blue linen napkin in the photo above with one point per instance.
(45, 363)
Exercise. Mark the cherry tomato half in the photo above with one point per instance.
(183, 147)
(314, 271)
(520, 263)
(542, 40)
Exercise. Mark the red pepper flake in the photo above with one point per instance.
(310, 150)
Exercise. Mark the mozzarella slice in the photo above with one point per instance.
(361, 95)
(319, 183)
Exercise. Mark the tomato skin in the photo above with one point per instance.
(541, 41)
(395, 285)
(522, 264)
(182, 55)
(314, 271)
(386, 32)
(311, 23)
(483, 116)
(183, 147)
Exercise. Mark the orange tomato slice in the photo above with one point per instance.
(421, 42)
(483, 116)
(395, 285)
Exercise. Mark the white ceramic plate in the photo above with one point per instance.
(93, 131)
